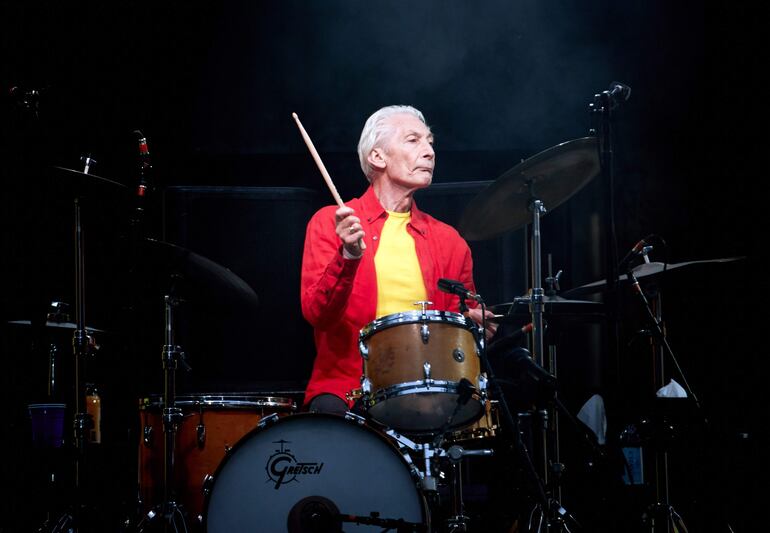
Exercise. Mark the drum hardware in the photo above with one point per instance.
(82, 346)
(458, 521)
(316, 513)
(400, 525)
(200, 430)
(661, 510)
(199, 276)
(517, 198)
(268, 420)
(426, 452)
(544, 498)
(169, 511)
(430, 452)
(357, 394)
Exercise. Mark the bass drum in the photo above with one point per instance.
(305, 471)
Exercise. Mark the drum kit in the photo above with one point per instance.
(429, 397)
(428, 400)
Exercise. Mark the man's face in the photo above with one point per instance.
(408, 153)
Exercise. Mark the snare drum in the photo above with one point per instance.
(211, 425)
(422, 369)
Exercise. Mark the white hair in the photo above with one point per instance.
(376, 131)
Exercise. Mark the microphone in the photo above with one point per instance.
(144, 165)
(453, 286)
(522, 360)
(618, 92)
(638, 248)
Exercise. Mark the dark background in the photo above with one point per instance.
(213, 88)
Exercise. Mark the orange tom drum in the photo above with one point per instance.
(211, 425)
(422, 371)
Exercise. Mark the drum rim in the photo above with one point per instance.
(417, 388)
(412, 317)
(222, 400)
(396, 447)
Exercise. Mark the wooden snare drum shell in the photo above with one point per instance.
(415, 367)
(397, 354)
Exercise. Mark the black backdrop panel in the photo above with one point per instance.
(258, 234)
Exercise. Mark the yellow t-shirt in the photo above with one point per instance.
(399, 278)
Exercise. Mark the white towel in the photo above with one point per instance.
(592, 414)
(672, 390)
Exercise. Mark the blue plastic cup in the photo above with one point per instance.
(47, 424)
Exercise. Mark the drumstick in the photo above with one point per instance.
(322, 168)
(318, 161)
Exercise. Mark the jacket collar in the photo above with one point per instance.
(372, 209)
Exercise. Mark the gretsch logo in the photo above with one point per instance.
(282, 467)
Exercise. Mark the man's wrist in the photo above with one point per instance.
(348, 255)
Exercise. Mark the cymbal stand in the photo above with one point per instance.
(81, 421)
(552, 284)
(518, 445)
(661, 510)
(170, 512)
(551, 508)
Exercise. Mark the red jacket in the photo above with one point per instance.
(339, 296)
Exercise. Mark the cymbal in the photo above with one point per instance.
(644, 270)
(86, 182)
(551, 176)
(57, 325)
(553, 306)
(206, 276)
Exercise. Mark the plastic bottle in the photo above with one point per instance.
(94, 408)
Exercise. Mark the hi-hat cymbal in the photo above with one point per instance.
(551, 176)
(553, 307)
(644, 270)
(205, 277)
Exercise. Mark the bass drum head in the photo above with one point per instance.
(298, 473)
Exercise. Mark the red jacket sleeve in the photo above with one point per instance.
(327, 277)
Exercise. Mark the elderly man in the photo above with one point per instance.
(377, 255)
